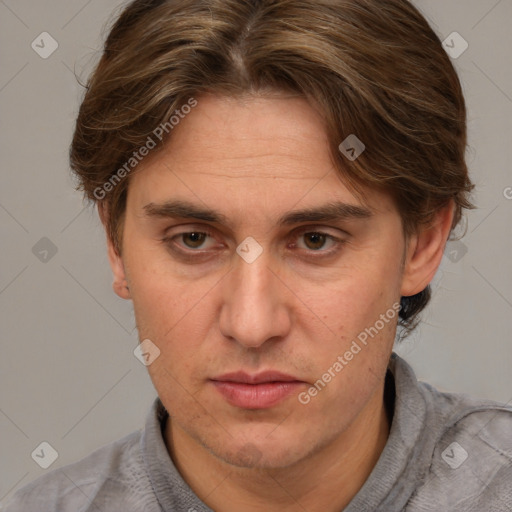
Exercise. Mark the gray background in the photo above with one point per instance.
(68, 375)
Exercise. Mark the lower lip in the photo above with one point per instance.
(256, 396)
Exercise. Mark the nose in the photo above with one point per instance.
(254, 307)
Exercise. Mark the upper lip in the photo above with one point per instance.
(258, 378)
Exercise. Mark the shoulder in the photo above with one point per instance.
(112, 469)
(471, 464)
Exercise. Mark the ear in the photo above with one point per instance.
(425, 251)
(120, 283)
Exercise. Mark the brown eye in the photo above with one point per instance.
(315, 241)
(193, 239)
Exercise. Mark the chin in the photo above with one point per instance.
(250, 456)
(261, 454)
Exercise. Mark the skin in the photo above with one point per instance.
(254, 159)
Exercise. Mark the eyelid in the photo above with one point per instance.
(315, 228)
(190, 228)
(310, 228)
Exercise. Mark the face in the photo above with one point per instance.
(314, 270)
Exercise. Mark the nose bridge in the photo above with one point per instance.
(253, 307)
(253, 279)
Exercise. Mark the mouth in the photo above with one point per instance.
(257, 391)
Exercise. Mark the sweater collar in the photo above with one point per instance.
(389, 486)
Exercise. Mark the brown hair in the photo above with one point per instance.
(374, 68)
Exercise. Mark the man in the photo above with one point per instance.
(278, 180)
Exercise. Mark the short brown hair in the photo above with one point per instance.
(374, 68)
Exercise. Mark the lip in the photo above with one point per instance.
(258, 378)
(257, 391)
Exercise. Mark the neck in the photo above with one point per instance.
(325, 481)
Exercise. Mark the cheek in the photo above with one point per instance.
(175, 315)
(161, 296)
(349, 368)
(355, 328)
(354, 298)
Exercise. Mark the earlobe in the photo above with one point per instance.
(425, 251)
(120, 283)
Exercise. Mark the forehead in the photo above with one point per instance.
(263, 151)
(253, 136)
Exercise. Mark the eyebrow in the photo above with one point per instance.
(333, 211)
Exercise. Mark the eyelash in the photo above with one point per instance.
(192, 254)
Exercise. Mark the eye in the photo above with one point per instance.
(201, 243)
(189, 242)
(194, 239)
(317, 241)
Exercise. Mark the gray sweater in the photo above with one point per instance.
(446, 452)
